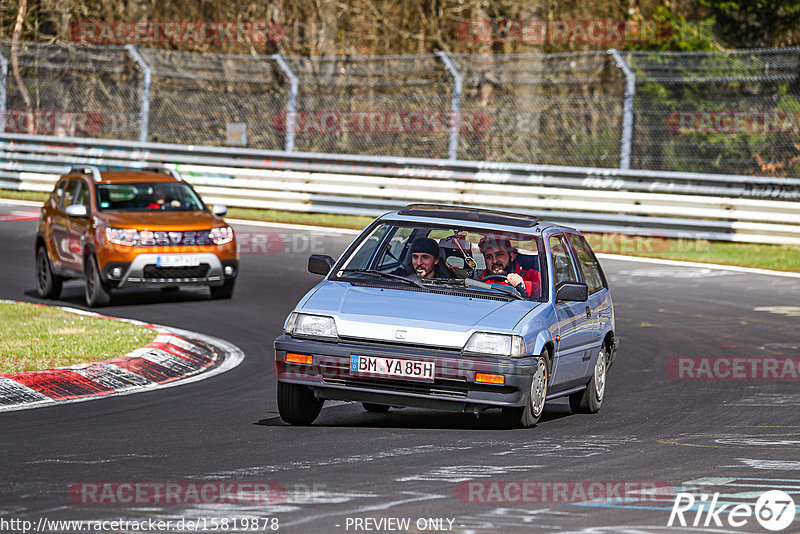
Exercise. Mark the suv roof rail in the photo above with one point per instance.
(163, 169)
(87, 169)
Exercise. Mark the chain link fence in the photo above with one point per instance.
(81, 91)
(733, 112)
(720, 112)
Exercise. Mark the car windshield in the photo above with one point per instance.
(446, 258)
(150, 196)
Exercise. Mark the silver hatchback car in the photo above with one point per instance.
(451, 308)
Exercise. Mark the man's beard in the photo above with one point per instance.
(502, 269)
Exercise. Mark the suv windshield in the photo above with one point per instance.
(172, 196)
(446, 258)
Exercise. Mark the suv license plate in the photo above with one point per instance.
(178, 261)
(392, 367)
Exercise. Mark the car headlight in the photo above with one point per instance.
(122, 236)
(501, 345)
(220, 236)
(313, 326)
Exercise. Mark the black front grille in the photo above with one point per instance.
(411, 348)
(443, 388)
(154, 271)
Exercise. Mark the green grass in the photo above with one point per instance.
(36, 196)
(37, 338)
(774, 257)
(353, 222)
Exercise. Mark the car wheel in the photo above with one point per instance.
(297, 404)
(98, 293)
(225, 291)
(48, 285)
(528, 415)
(376, 408)
(590, 399)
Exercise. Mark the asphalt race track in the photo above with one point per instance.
(354, 471)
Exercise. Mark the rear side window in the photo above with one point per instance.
(59, 192)
(590, 267)
(70, 193)
(563, 268)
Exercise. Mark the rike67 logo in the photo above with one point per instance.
(774, 511)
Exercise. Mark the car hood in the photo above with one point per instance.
(413, 317)
(162, 220)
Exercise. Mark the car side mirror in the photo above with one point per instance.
(572, 291)
(77, 210)
(219, 210)
(320, 264)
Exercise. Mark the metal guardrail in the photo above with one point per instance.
(687, 205)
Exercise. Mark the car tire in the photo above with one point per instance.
(48, 285)
(98, 293)
(297, 404)
(590, 399)
(375, 408)
(528, 415)
(225, 291)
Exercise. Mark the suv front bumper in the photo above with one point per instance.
(453, 389)
(144, 271)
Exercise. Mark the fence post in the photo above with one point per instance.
(455, 103)
(144, 114)
(291, 105)
(3, 90)
(627, 118)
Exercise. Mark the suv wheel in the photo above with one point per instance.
(48, 285)
(225, 291)
(297, 404)
(98, 293)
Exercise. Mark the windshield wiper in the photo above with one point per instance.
(385, 275)
(469, 282)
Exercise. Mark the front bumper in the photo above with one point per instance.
(144, 271)
(453, 389)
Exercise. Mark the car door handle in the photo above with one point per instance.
(588, 312)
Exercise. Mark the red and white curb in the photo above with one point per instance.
(175, 357)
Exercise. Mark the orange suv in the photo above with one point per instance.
(132, 228)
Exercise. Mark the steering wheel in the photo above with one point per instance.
(501, 277)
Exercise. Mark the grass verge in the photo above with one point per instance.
(36, 196)
(774, 257)
(37, 338)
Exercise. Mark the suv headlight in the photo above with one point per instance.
(221, 236)
(122, 236)
(501, 345)
(313, 326)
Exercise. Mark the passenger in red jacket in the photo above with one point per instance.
(501, 259)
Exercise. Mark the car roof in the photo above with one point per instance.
(479, 217)
(128, 176)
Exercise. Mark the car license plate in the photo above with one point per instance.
(392, 367)
(178, 261)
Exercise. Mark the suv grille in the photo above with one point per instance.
(153, 271)
(163, 238)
